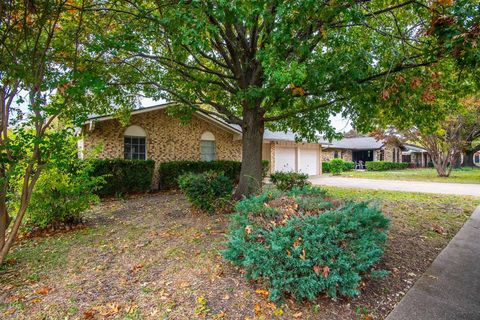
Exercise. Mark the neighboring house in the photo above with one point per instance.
(364, 149)
(416, 155)
(371, 149)
(153, 134)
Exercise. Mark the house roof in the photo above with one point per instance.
(268, 134)
(358, 143)
(413, 148)
(287, 136)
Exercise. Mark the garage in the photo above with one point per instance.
(288, 159)
(308, 161)
(285, 159)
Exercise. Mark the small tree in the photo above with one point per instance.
(43, 45)
(449, 140)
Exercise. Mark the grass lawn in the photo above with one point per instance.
(152, 258)
(428, 174)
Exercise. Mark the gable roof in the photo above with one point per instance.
(267, 135)
(358, 143)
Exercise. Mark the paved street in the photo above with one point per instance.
(411, 186)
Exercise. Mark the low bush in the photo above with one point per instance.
(302, 246)
(336, 166)
(62, 195)
(124, 176)
(289, 180)
(347, 166)
(385, 165)
(208, 191)
(170, 171)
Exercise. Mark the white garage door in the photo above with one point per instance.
(284, 159)
(307, 162)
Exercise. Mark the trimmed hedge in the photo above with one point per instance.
(289, 180)
(385, 165)
(172, 170)
(347, 166)
(123, 176)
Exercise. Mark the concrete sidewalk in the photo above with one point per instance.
(450, 288)
(395, 185)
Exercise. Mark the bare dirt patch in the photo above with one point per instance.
(152, 258)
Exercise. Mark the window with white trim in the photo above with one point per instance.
(135, 143)
(207, 147)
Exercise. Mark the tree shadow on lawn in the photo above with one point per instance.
(151, 258)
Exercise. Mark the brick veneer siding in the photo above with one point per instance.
(167, 138)
(329, 154)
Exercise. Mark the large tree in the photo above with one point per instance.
(281, 63)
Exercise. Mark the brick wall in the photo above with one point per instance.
(167, 138)
(329, 154)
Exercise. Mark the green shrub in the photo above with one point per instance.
(347, 166)
(300, 246)
(336, 166)
(385, 165)
(325, 166)
(124, 176)
(289, 180)
(208, 191)
(62, 195)
(170, 171)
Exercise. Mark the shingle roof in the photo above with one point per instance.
(268, 135)
(358, 143)
(286, 136)
(413, 148)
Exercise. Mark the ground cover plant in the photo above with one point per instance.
(150, 257)
(300, 249)
(461, 175)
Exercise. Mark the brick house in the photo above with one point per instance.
(364, 149)
(152, 134)
(370, 149)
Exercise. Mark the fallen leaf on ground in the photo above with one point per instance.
(263, 292)
(43, 290)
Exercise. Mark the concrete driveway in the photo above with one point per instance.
(409, 186)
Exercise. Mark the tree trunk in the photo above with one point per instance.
(251, 172)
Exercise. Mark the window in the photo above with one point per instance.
(394, 154)
(207, 147)
(335, 154)
(382, 155)
(134, 144)
(398, 155)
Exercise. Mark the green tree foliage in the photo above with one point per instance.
(286, 64)
(289, 241)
